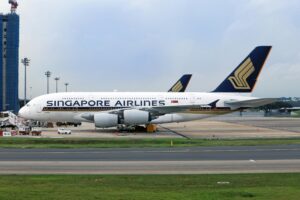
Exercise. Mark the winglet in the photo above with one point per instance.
(244, 77)
(181, 84)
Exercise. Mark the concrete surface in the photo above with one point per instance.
(196, 160)
(219, 127)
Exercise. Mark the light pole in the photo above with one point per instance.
(30, 96)
(25, 62)
(56, 81)
(66, 84)
(48, 74)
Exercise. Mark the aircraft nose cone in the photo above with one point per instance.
(22, 112)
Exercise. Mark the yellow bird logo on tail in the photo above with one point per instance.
(239, 80)
(177, 87)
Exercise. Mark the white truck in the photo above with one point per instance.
(64, 131)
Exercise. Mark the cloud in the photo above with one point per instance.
(145, 45)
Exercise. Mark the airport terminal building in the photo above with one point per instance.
(9, 62)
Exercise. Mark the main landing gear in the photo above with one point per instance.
(149, 128)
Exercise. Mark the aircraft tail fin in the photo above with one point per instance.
(244, 77)
(181, 84)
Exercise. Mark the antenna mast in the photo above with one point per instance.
(14, 5)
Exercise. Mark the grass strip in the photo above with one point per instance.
(127, 143)
(149, 187)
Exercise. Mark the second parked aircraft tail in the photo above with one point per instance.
(181, 84)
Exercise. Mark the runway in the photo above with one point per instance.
(192, 160)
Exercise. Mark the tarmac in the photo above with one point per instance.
(219, 127)
(192, 160)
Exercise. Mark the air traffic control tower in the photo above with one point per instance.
(9, 60)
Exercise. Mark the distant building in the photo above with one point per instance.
(9, 62)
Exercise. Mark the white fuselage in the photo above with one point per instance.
(72, 106)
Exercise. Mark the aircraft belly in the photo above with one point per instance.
(209, 112)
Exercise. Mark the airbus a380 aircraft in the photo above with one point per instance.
(111, 109)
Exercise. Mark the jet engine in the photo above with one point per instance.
(127, 117)
(103, 120)
(136, 117)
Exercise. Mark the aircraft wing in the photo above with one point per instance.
(161, 110)
(251, 103)
(156, 111)
(171, 109)
(293, 109)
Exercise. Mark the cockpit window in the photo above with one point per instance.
(28, 105)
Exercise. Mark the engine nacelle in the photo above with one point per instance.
(103, 120)
(136, 117)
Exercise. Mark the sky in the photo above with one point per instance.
(146, 45)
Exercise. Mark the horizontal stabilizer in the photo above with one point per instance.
(251, 103)
(291, 109)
